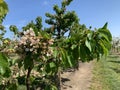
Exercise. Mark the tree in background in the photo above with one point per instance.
(3, 10)
(115, 45)
(74, 42)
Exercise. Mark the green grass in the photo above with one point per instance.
(106, 74)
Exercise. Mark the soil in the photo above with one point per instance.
(79, 79)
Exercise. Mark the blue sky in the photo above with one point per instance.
(91, 12)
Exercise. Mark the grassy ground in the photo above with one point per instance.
(106, 74)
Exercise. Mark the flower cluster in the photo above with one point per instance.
(30, 43)
(7, 47)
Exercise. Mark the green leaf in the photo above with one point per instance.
(51, 87)
(12, 87)
(103, 36)
(51, 68)
(88, 45)
(63, 55)
(106, 33)
(85, 54)
(28, 62)
(4, 65)
(20, 64)
(7, 72)
(82, 53)
(21, 87)
(73, 46)
(89, 35)
(69, 61)
(52, 65)
(105, 50)
(55, 52)
(21, 80)
(105, 26)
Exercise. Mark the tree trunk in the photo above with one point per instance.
(28, 78)
(59, 80)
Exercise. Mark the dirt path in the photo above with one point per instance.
(78, 80)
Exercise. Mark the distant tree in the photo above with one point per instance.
(62, 20)
(115, 45)
(74, 42)
(37, 25)
(3, 10)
